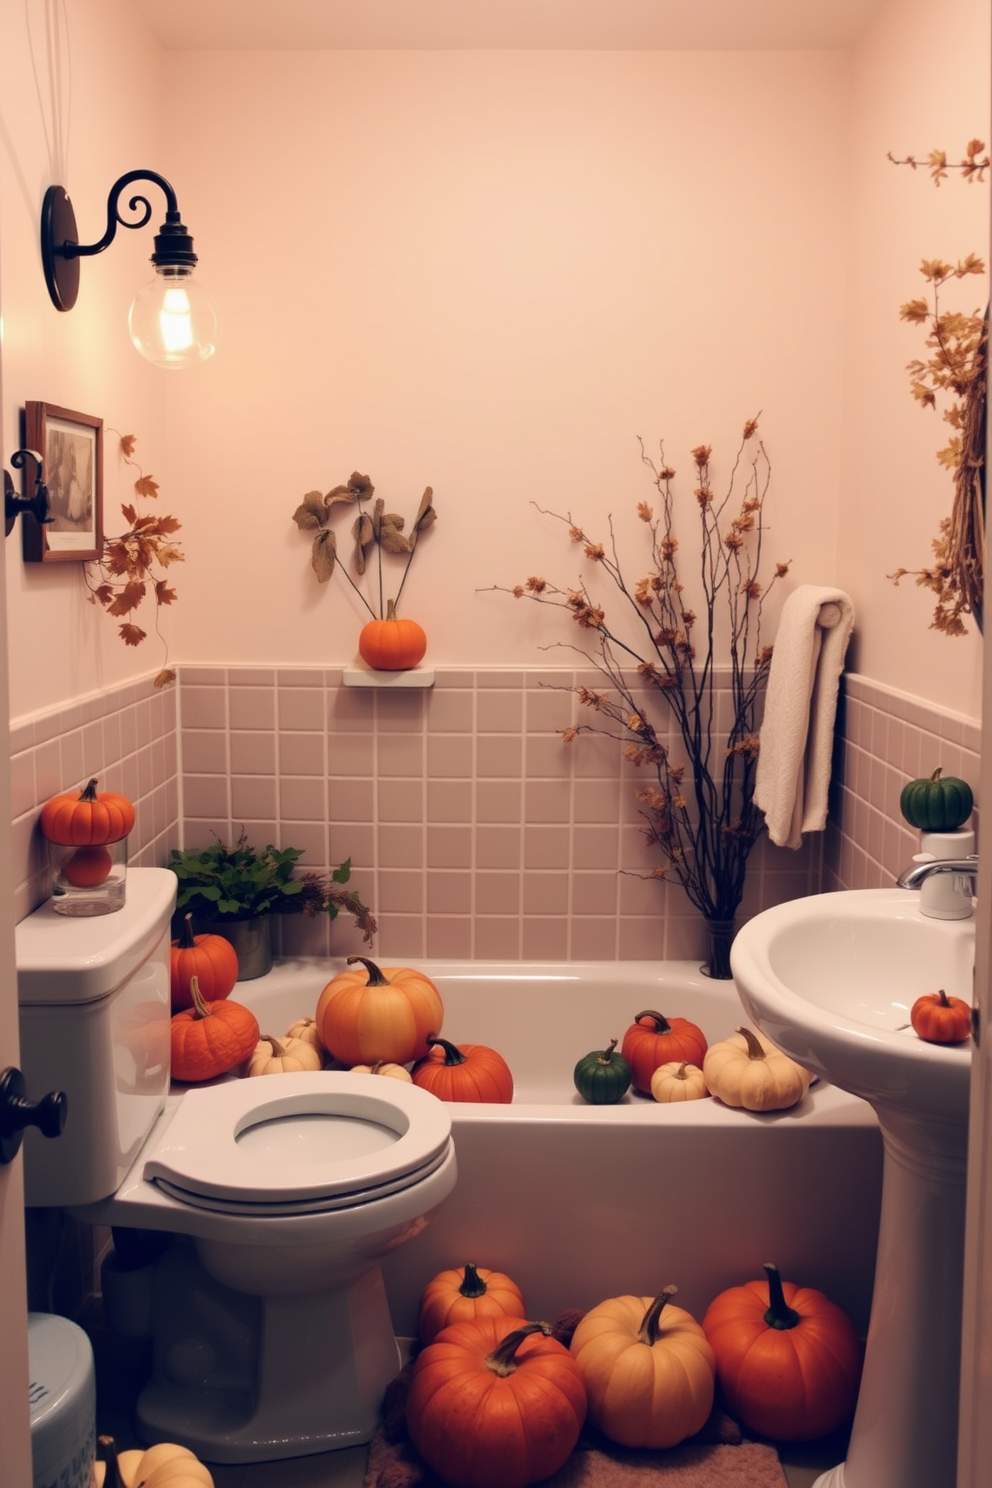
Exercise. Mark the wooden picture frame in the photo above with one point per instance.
(71, 448)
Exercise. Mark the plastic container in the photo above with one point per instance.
(62, 1403)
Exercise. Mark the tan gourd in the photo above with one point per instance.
(748, 1070)
(166, 1465)
(306, 1029)
(383, 1067)
(675, 1082)
(283, 1056)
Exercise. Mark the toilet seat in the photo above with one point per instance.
(298, 1143)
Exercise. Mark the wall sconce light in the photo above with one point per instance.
(37, 504)
(172, 320)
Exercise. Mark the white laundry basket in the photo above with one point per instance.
(63, 1403)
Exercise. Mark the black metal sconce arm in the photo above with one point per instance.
(14, 505)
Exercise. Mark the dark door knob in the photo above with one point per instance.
(17, 1112)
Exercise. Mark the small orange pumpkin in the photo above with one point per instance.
(652, 1040)
(90, 819)
(211, 1038)
(940, 1019)
(452, 1296)
(392, 645)
(210, 958)
(464, 1072)
(379, 1013)
(87, 867)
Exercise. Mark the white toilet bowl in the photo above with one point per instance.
(271, 1329)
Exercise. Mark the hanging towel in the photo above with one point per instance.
(793, 773)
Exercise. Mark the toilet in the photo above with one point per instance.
(271, 1331)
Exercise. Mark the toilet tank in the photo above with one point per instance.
(94, 1011)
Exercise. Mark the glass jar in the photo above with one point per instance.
(89, 880)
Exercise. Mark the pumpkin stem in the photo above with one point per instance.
(944, 1000)
(680, 1073)
(754, 1049)
(502, 1360)
(472, 1283)
(649, 1332)
(390, 609)
(452, 1054)
(662, 1024)
(89, 792)
(376, 978)
(278, 1049)
(107, 1452)
(606, 1055)
(200, 1006)
(936, 775)
(779, 1315)
(187, 940)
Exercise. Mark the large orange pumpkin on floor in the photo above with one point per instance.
(452, 1296)
(210, 958)
(464, 1072)
(378, 1013)
(211, 1038)
(653, 1040)
(91, 818)
(495, 1403)
(392, 645)
(787, 1358)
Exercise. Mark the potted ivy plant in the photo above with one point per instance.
(235, 890)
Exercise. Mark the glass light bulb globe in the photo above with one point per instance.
(172, 320)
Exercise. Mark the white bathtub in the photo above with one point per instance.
(577, 1202)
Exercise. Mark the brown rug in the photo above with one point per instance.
(716, 1457)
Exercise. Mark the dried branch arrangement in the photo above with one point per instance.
(698, 809)
(955, 369)
(373, 530)
(130, 563)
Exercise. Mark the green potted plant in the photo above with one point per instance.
(234, 891)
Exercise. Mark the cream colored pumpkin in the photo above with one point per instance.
(748, 1070)
(675, 1082)
(647, 1368)
(283, 1056)
(306, 1029)
(166, 1465)
(391, 1071)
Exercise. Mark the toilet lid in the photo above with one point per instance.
(297, 1143)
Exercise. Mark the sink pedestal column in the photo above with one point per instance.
(906, 1424)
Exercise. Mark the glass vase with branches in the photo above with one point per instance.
(698, 807)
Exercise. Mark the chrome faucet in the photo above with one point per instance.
(916, 876)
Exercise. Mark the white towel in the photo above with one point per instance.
(793, 774)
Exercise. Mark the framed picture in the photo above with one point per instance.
(71, 448)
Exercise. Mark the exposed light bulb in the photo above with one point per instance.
(172, 320)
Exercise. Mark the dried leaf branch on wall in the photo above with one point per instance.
(128, 569)
(955, 367)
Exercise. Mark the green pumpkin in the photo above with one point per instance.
(602, 1077)
(937, 805)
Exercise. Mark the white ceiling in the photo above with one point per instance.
(577, 25)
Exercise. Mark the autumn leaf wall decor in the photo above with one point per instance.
(132, 564)
(955, 370)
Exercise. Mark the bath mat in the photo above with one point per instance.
(716, 1457)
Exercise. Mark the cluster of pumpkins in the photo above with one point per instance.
(496, 1401)
(86, 823)
(166, 1465)
(370, 1019)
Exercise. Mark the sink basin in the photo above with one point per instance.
(831, 979)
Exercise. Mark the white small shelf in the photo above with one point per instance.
(360, 675)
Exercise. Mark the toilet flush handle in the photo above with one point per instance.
(17, 1112)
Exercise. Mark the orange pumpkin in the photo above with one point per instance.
(940, 1019)
(372, 1014)
(495, 1403)
(210, 958)
(211, 1038)
(787, 1358)
(653, 1040)
(392, 645)
(453, 1296)
(87, 867)
(90, 819)
(464, 1072)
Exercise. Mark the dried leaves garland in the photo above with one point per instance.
(128, 567)
(374, 529)
(955, 368)
(699, 810)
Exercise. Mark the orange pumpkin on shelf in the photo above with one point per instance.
(210, 958)
(211, 1038)
(653, 1040)
(378, 1013)
(464, 1072)
(939, 1019)
(787, 1358)
(392, 645)
(90, 819)
(453, 1296)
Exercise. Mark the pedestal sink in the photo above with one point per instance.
(831, 979)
